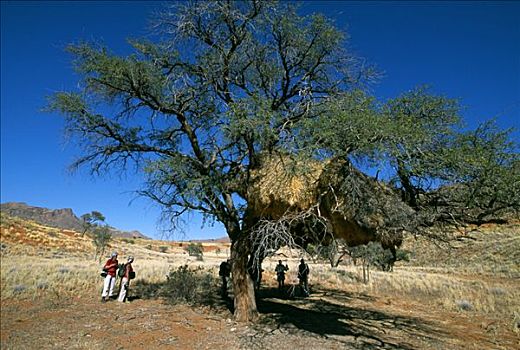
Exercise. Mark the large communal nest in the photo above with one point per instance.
(351, 205)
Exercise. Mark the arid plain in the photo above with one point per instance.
(462, 296)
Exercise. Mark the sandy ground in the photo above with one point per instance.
(328, 319)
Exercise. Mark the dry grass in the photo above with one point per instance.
(491, 250)
(39, 261)
(499, 297)
(40, 276)
(478, 277)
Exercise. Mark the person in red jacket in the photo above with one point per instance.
(125, 281)
(110, 280)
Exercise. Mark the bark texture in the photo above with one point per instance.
(243, 287)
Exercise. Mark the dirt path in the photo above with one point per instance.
(326, 320)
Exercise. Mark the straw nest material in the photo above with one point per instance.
(281, 184)
(356, 207)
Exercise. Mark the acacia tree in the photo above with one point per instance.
(229, 82)
(195, 110)
(101, 238)
(91, 220)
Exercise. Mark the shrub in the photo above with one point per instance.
(42, 285)
(195, 249)
(19, 289)
(498, 291)
(129, 241)
(464, 305)
(163, 249)
(192, 286)
(402, 255)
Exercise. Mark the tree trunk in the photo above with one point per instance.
(243, 288)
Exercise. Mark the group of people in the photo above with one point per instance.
(303, 275)
(112, 269)
(280, 269)
(126, 272)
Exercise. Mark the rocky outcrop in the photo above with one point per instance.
(59, 218)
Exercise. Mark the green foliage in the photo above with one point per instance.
(192, 286)
(323, 252)
(163, 249)
(349, 125)
(213, 110)
(91, 221)
(311, 249)
(101, 238)
(195, 249)
(402, 255)
(428, 149)
(420, 134)
(129, 241)
(372, 254)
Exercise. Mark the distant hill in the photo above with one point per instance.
(59, 218)
(212, 240)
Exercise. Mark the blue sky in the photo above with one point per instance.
(468, 50)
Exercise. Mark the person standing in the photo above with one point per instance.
(125, 281)
(303, 276)
(110, 279)
(280, 273)
(224, 273)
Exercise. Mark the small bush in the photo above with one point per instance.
(402, 255)
(464, 305)
(192, 286)
(129, 241)
(163, 249)
(498, 291)
(42, 285)
(195, 249)
(18, 289)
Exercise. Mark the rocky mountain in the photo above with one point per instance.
(60, 218)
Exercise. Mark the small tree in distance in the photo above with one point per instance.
(90, 221)
(101, 238)
(195, 249)
(93, 223)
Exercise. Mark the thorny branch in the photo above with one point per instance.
(271, 235)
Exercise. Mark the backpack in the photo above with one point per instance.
(121, 270)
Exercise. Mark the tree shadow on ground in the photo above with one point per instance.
(331, 318)
(160, 290)
(326, 313)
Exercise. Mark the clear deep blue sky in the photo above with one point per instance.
(468, 50)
